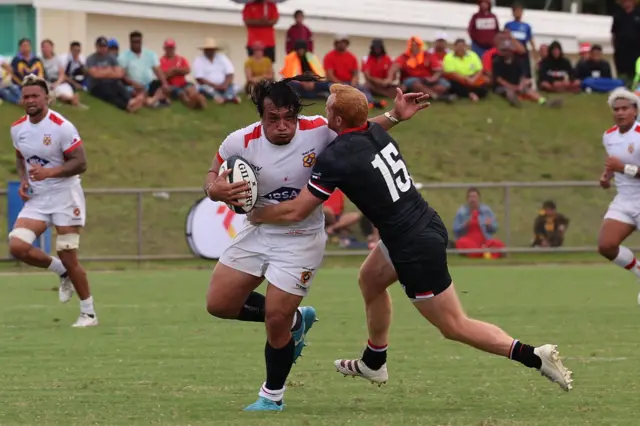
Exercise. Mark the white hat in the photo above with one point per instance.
(341, 37)
(441, 35)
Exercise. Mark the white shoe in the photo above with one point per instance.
(552, 367)
(357, 368)
(65, 291)
(85, 320)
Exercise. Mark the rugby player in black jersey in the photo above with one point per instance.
(365, 163)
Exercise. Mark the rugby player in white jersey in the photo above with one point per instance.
(622, 143)
(49, 158)
(282, 148)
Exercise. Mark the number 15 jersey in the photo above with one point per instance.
(366, 165)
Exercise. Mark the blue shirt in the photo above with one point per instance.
(521, 31)
(139, 68)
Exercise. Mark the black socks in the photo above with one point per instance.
(279, 362)
(374, 356)
(524, 355)
(253, 308)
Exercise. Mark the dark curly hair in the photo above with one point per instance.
(281, 93)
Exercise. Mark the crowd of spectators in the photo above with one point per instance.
(504, 60)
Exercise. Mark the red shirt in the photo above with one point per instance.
(474, 230)
(264, 35)
(299, 32)
(430, 66)
(343, 64)
(335, 202)
(377, 67)
(176, 62)
(487, 59)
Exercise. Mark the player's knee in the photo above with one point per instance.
(67, 242)
(453, 329)
(278, 323)
(20, 242)
(608, 248)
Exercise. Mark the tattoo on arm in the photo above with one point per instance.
(20, 166)
(75, 163)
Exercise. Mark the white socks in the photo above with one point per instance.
(57, 266)
(627, 260)
(86, 306)
(273, 395)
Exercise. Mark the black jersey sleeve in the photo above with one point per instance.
(326, 175)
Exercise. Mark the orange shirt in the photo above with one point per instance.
(430, 66)
(264, 35)
(487, 59)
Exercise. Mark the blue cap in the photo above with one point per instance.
(113, 43)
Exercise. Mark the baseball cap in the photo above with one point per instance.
(585, 47)
(101, 41)
(341, 37)
(169, 43)
(441, 35)
(113, 43)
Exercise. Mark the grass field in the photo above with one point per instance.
(462, 143)
(157, 358)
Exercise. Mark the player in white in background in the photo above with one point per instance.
(49, 158)
(282, 149)
(622, 143)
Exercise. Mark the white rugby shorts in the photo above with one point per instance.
(62, 207)
(289, 262)
(624, 211)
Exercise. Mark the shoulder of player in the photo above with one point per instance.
(19, 121)
(244, 136)
(313, 122)
(610, 131)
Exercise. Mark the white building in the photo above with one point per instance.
(190, 21)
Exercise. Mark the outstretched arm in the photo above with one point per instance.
(405, 106)
(288, 211)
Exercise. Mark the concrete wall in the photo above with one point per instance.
(62, 27)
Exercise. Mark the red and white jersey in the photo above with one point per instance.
(282, 170)
(46, 144)
(626, 147)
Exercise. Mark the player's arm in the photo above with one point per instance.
(75, 163)
(288, 211)
(615, 165)
(21, 167)
(216, 186)
(405, 106)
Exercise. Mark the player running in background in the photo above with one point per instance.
(366, 164)
(49, 159)
(622, 143)
(282, 148)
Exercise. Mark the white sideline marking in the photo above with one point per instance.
(595, 359)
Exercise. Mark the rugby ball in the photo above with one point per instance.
(241, 170)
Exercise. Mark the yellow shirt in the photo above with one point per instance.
(466, 66)
(259, 67)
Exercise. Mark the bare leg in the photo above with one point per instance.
(25, 251)
(70, 261)
(229, 291)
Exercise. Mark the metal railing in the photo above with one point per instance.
(149, 224)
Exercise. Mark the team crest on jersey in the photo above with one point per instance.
(309, 158)
(46, 141)
(76, 212)
(631, 148)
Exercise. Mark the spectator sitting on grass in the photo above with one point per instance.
(487, 58)
(509, 79)
(543, 53)
(337, 222)
(595, 72)
(301, 61)
(475, 225)
(105, 79)
(556, 74)
(175, 69)
(74, 65)
(55, 75)
(549, 226)
(376, 67)
(420, 71)
(23, 64)
(114, 47)
(257, 68)
(521, 32)
(342, 67)
(214, 73)
(142, 71)
(440, 48)
(463, 69)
